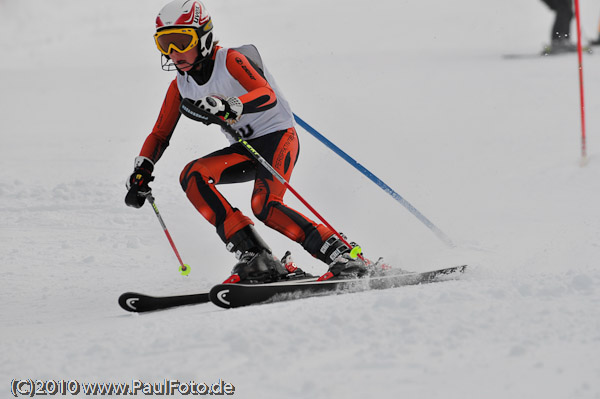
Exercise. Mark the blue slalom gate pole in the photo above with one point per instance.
(440, 234)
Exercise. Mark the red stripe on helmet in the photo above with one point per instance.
(185, 19)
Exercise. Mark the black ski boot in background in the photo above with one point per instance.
(560, 46)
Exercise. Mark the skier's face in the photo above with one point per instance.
(184, 61)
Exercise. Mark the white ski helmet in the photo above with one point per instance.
(187, 14)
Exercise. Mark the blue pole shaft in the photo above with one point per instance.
(440, 234)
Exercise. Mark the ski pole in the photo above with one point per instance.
(193, 112)
(439, 233)
(183, 268)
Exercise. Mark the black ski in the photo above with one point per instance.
(542, 54)
(237, 295)
(139, 303)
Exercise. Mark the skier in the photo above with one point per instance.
(597, 41)
(560, 35)
(233, 84)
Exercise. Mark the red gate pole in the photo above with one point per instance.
(581, 95)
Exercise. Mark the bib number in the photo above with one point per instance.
(246, 131)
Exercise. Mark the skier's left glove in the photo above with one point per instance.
(137, 184)
(230, 108)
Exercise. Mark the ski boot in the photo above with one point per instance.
(294, 272)
(256, 263)
(560, 46)
(341, 259)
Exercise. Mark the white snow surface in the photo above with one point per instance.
(487, 148)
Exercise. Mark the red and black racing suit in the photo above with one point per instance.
(234, 164)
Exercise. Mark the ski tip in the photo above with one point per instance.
(457, 269)
(128, 301)
(220, 295)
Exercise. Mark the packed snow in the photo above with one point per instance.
(419, 93)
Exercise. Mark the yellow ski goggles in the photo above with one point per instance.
(178, 39)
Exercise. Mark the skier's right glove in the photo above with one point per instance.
(137, 184)
(229, 109)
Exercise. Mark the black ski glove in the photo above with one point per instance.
(137, 184)
(230, 109)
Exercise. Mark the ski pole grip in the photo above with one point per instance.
(189, 109)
